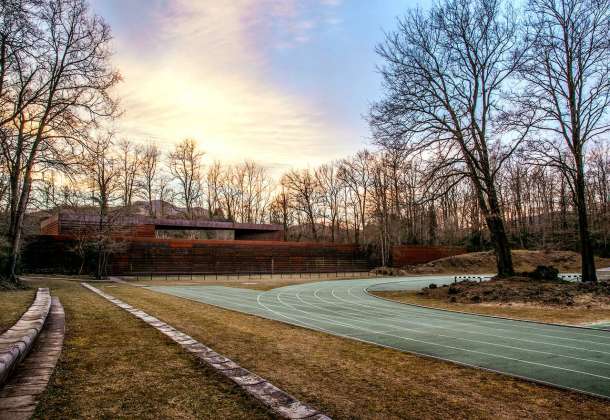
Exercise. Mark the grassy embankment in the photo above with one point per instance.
(114, 366)
(516, 299)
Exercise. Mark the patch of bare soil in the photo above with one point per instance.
(523, 290)
(485, 262)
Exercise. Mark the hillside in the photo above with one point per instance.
(484, 262)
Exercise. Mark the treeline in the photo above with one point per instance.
(375, 198)
(492, 131)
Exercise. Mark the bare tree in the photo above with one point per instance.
(103, 170)
(164, 192)
(213, 180)
(330, 186)
(281, 209)
(443, 77)
(186, 167)
(54, 84)
(304, 192)
(148, 176)
(254, 191)
(130, 159)
(355, 173)
(567, 87)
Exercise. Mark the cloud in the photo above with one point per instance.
(201, 72)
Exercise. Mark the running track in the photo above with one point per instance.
(567, 357)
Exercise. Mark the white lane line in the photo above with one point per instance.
(389, 305)
(481, 318)
(233, 299)
(205, 299)
(476, 319)
(355, 327)
(224, 298)
(462, 363)
(451, 321)
(446, 359)
(399, 327)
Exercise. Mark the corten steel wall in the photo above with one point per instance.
(170, 256)
(63, 224)
(403, 255)
(146, 227)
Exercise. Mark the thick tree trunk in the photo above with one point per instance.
(10, 274)
(586, 250)
(500, 241)
(495, 224)
(18, 207)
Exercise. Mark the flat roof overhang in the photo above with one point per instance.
(164, 223)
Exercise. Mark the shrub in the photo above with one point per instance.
(543, 272)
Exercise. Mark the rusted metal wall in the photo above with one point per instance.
(146, 227)
(49, 253)
(403, 255)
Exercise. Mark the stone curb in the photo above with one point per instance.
(21, 393)
(277, 400)
(16, 342)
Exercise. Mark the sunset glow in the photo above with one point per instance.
(249, 79)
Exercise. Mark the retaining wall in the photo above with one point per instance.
(403, 255)
(16, 342)
(56, 253)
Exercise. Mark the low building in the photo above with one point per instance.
(78, 224)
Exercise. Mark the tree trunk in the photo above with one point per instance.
(13, 259)
(502, 249)
(586, 250)
(18, 208)
(495, 224)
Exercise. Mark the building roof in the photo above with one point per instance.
(160, 223)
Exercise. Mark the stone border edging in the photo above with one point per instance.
(277, 400)
(21, 393)
(16, 342)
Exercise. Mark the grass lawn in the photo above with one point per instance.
(13, 303)
(115, 366)
(254, 281)
(559, 314)
(349, 379)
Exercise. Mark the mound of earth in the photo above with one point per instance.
(485, 262)
(523, 290)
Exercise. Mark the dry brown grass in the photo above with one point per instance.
(556, 314)
(115, 366)
(13, 303)
(349, 379)
(484, 262)
(257, 282)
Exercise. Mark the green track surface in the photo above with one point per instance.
(567, 357)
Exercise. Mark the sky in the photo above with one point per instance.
(285, 83)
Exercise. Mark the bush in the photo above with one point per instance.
(432, 286)
(543, 272)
